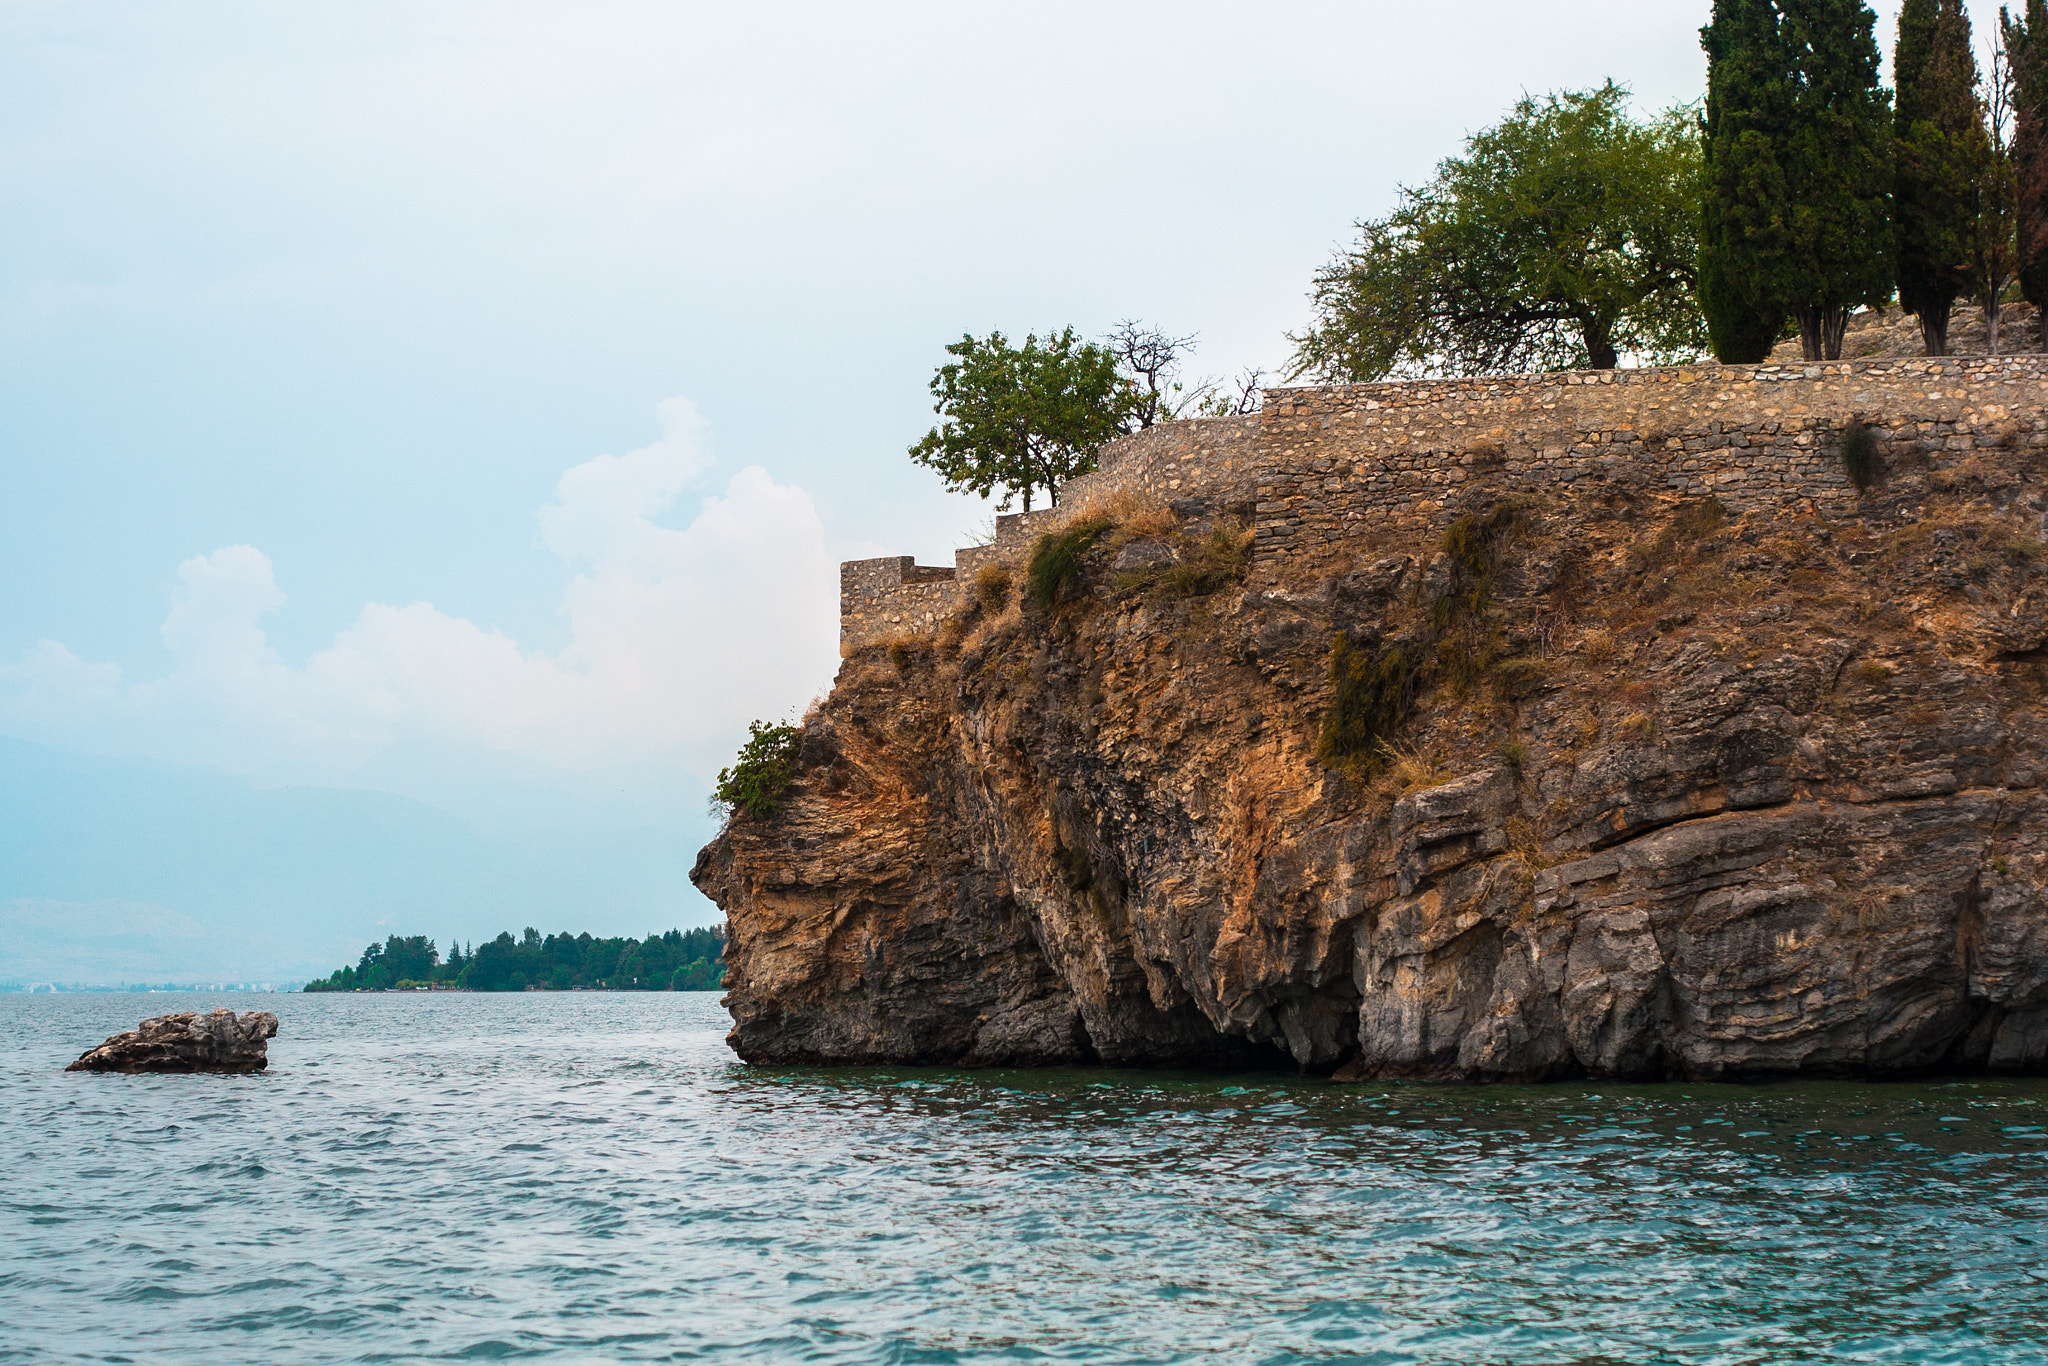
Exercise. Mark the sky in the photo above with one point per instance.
(465, 406)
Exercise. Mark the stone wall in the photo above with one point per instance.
(1332, 461)
(1321, 466)
(894, 596)
(1212, 456)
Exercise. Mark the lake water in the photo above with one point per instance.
(592, 1177)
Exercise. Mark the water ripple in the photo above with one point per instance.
(592, 1178)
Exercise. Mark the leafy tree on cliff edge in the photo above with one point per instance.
(1019, 418)
(1561, 238)
(2026, 46)
(1796, 197)
(1938, 123)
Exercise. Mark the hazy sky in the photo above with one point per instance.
(391, 393)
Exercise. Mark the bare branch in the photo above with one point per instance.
(1151, 361)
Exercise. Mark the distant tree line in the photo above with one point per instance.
(680, 960)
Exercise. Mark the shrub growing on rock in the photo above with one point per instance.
(992, 588)
(1473, 542)
(1862, 461)
(760, 772)
(1055, 567)
(1369, 700)
(1219, 562)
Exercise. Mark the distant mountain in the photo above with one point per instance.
(114, 869)
(109, 942)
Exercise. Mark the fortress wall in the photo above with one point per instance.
(1333, 461)
(1324, 465)
(1014, 532)
(892, 596)
(1210, 456)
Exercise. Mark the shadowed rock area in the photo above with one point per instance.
(1604, 780)
(218, 1041)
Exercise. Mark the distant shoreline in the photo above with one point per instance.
(276, 988)
(297, 988)
(521, 991)
(676, 960)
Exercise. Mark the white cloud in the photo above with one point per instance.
(678, 636)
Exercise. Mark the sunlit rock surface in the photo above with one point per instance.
(1686, 793)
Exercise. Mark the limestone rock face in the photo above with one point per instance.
(218, 1041)
(1671, 793)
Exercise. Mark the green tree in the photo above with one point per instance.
(765, 765)
(1021, 418)
(1796, 194)
(2026, 46)
(1937, 121)
(1742, 185)
(1837, 164)
(500, 964)
(1561, 238)
(410, 959)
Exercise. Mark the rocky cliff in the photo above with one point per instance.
(1606, 779)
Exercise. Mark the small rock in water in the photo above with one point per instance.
(218, 1041)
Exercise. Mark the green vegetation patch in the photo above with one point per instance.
(1473, 543)
(1219, 562)
(760, 772)
(1057, 565)
(1862, 460)
(1466, 637)
(1369, 700)
(1461, 647)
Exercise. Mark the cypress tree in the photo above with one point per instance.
(1936, 122)
(1796, 204)
(2026, 46)
(1742, 186)
(1836, 155)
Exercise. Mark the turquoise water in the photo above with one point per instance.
(591, 1177)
